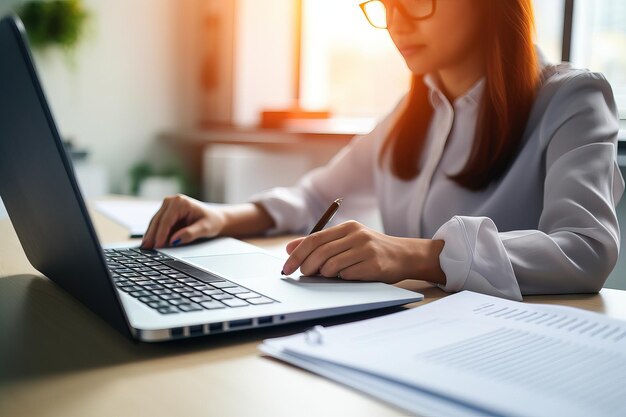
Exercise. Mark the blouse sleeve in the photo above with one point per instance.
(350, 174)
(576, 244)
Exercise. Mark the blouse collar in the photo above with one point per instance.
(436, 96)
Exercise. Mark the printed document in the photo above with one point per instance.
(473, 354)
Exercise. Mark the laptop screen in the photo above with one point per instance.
(38, 186)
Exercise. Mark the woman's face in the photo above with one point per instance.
(444, 40)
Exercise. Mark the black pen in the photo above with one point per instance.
(326, 217)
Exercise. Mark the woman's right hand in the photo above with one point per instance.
(181, 220)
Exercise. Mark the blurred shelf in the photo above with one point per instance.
(336, 130)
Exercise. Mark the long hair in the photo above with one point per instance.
(511, 81)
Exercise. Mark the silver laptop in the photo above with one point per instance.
(217, 286)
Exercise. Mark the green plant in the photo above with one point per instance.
(138, 173)
(142, 170)
(58, 22)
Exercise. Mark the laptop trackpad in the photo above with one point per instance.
(244, 265)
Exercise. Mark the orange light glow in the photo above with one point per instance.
(348, 66)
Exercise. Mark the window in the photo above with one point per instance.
(348, 67)
(599, 42)
(549, 23)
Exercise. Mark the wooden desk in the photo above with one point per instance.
(59, 359)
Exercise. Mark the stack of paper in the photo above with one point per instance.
(472, 354)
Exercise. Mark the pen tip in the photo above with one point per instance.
(339, 200)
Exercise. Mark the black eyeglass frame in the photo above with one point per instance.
(395, 4)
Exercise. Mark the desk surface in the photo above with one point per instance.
(59, 359)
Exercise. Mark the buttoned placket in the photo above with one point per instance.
(441, 134)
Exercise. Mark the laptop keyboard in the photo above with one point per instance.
(170, 286)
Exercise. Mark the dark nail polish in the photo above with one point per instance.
(176, 242)
(282, 273)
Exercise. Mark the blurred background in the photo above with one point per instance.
(220, 99)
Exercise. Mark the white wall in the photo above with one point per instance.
(123, 84)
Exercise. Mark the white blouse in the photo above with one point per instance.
(547, 226)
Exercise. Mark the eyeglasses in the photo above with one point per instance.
(379, 13)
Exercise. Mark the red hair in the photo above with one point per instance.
(510, 88)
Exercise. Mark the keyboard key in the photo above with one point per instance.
(141, 293)
(235, 290)
(162, 279)
(190, 294)
(162, 291)
(212, 292)
(190, 307)
(171, 297)
(135, 279)
(153, 287)
(235, 302)
(222, 296)
(161, 267)
(223, 284)
(178, 301)
(212, 305)
(248, 295)
(260, 300)
(148, 298)
(203, 287)
(201, 299)
(168, 310)
(150, 273)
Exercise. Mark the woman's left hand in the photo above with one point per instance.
(352, 251)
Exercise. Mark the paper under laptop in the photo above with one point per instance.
(134, 215)
(472, 354)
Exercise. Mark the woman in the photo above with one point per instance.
(495, 174)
